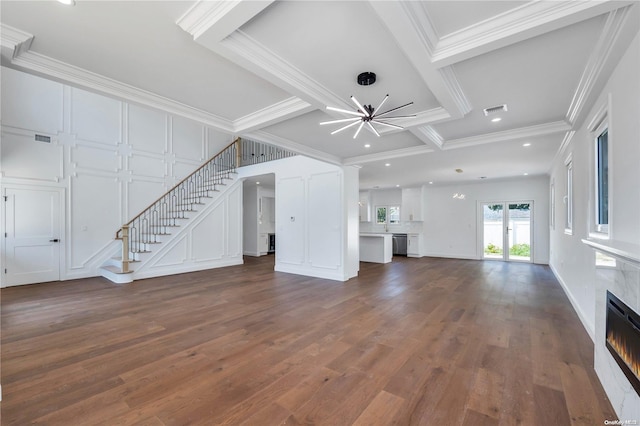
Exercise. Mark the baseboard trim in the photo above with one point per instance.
(574, 303)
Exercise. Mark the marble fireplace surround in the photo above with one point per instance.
(623, 280)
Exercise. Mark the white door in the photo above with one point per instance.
(32, 236)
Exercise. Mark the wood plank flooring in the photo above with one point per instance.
(417, 341)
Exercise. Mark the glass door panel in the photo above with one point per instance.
(519, 232)
(493, 231)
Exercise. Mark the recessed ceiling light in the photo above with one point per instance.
(387, 164)
(430, 183)
(495, 120)
(526, 144)
(67, 2)
(367, 145)
(526, 174)
(397, 186)
(257, 183)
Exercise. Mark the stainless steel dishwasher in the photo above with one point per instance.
(399, 244)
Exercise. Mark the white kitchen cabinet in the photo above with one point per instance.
(411, 209)
(263, 243)
(365, 206)
(413, 245)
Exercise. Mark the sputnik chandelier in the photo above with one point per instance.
(366, 114)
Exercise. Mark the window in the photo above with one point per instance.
(388, 215)
(602, 180)
(381, 215)
(568, 198)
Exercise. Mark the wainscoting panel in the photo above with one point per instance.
(325, 213)
(96, 118)
(31, 103)
(93, 218)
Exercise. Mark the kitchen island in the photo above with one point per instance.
(376, 248)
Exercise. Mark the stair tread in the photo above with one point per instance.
(115, 270)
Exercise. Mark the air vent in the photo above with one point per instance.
(42, 138)
(495, 110)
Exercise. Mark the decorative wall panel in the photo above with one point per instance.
(97, 157)
(187, 137)
(290, 221)
(25, 158)
(93, 216)
(234, 223)
(325, 213)
(96, 118)
(30, 102)
(147, 130)
(208, 236)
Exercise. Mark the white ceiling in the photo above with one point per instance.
(267, 70)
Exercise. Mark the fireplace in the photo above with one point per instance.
(623, 338)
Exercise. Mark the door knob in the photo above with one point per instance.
(55, 240)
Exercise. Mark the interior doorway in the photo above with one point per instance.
(507, 230)
(259, 218)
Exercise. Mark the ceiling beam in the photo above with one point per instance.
(521, 23)
(409, 24)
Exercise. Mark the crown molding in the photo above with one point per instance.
(20, 41)
(455, 90)
(596, 63)
(529, 20)
(80, 77)
(272, 114)
(263, 136)
(16, 40)
(507, 135)
(219, 18)
(203, 15)
(421, 25)
(380, 156)
(566, 140)
(430, 134)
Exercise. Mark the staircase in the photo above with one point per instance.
(157, 223)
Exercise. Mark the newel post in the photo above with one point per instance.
(125, 249)
(238, 153)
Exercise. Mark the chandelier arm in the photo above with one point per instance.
(344, 120)
(388, 124)
(373, 129)
(395, 116)
(345, 127)
(359, 128)
(381, 103)
(363, 109)
(394, 109)
(346, 111)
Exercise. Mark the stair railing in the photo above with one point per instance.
(163, 214)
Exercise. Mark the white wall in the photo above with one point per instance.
(316, 216)
(571, 260)
(452, 227)
(112, 158)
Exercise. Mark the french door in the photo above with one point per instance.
(507, 230)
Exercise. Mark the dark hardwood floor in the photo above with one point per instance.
(417, 341)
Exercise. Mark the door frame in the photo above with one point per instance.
(62, 220)
(505, 237)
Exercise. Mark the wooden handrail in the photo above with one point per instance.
(236, 141)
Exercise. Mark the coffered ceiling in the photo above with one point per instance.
(268, 70)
